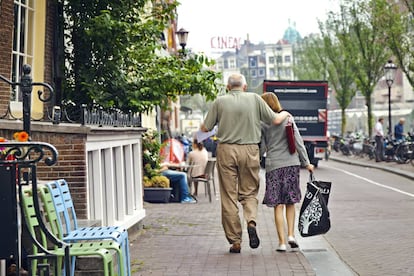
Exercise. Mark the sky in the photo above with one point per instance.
(210, 22)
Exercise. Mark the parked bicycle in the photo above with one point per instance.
(390, 148)
(368, 148)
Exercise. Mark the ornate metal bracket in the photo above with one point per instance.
(27, 153)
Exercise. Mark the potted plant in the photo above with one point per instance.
(156, 186)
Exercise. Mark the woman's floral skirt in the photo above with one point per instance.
(282, 186)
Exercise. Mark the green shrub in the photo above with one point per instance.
(151, 146)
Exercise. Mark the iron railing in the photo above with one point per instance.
(68, 112)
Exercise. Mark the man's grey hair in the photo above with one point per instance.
(236, 80)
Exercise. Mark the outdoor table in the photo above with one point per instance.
(181, 166)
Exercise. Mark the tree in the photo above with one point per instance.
(322, 57)
(196, 102)
(335, 38)
(114, 57)
(309, 64)
(354, 45)
(366, 44)
(399, 27)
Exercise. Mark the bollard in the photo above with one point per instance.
(26, 86)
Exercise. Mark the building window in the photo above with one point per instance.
(253, 73)
(261, 72)
(271, 72)
(232, 64)
(287, 58)
(253, 61)
(279, 59)
(288, 72)
(271, 60)
(22, 40)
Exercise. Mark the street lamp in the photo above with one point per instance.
(182, 35)
(389, 73)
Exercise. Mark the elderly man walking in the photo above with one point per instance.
(238, 115)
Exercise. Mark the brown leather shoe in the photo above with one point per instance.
(235, 248)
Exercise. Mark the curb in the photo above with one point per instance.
(404, 173)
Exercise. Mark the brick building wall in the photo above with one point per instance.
(6, 34)
(71, 142)
(71, 163)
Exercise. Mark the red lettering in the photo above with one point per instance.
(225, 42)
(212, 40)
(230, 42)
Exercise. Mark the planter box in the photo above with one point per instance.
(157, 195)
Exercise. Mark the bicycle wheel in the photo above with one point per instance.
(401, 154)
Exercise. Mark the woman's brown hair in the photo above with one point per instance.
(272, 101)
(200, 146)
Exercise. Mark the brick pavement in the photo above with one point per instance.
(187, 239)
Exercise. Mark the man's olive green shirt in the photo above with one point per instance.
(238, 115)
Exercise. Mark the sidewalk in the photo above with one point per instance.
(188, 239)
(406, 170)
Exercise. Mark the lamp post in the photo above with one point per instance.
(182, 35)
(389, 73)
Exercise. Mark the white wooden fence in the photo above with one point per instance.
(114, 184)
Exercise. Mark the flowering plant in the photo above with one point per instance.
(21, 136)
(151, 160)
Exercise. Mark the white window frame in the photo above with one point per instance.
(22, 51)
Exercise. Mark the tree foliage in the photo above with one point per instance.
(324, 57)
(115, 57)
(309, 64)
(367, 46)
(398, 24)
(355, 44)
(335, 40)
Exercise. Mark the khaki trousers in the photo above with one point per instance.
(238, 171)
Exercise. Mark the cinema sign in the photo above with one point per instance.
(225, 42)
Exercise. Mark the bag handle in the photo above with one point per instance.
(311, 180)
(311, 177)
